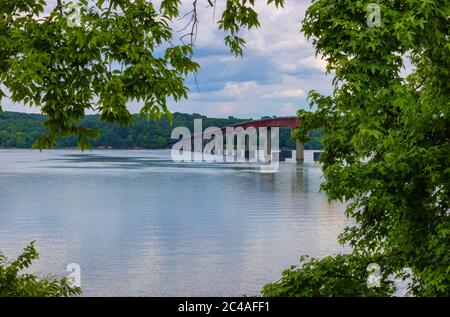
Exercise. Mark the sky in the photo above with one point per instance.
(273, 77)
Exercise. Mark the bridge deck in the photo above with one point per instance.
(291, 122)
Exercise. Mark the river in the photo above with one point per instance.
(139, 224)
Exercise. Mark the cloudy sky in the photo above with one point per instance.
(278, 69)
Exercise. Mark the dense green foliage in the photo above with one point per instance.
(341, 275)
(20, 130)
(386, 141)
(120, 51)
(14, 283)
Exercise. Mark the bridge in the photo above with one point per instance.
(291, 122)
(268, 123)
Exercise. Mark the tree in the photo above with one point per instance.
(386, 143)
(24, 129)
(122, 50)
(13, 283)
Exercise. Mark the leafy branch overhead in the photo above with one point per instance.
(120, 51)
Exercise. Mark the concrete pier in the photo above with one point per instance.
(269, 142)
(299, 153)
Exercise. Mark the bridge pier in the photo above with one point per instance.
(247, 147)
(299, 153)
(268, 148)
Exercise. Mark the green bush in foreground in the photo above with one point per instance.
(340, 275)
(15, 284)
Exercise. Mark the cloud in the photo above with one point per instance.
(302, 64)
(250, 90)
(287, 93)
(277, 71)
(252, 99)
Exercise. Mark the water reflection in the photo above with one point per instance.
(139, 224)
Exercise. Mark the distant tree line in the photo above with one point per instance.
(21, 130)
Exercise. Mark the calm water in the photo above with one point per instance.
(140, 225)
